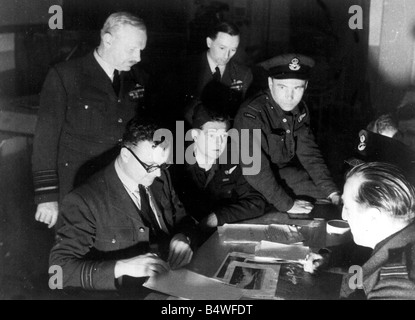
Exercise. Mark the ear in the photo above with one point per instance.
(125, 155)
(107, 40)
(209, 42)
(375, 214)
(195, 134)
(270, 82)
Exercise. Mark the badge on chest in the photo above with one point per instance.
(137, 92)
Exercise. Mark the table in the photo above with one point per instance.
(326, 285)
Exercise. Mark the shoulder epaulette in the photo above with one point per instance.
(396, 266)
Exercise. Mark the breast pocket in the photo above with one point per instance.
(277, 149)
(87, 116)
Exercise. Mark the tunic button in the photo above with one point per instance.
(86, 107)
(141, 229)
(284, 120)
(66, 164)
(114, 241)
(119, 120)
(119, 100)
(288, 131)
(119, 140)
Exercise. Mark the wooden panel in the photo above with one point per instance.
(17, 122)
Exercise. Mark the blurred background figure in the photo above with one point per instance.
(388, 125)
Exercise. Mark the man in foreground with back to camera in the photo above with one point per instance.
(379, 204)
(116, 222)
(293, 172)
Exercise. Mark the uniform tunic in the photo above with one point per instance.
(291, 162)
(102, 224)
(390, 271)
(222, 190)
(197, 74)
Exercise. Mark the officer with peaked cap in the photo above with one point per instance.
(293, 172)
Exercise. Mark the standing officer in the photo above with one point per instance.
(293, 172)
(216, 64)
(84, 106)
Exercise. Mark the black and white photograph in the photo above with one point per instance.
(134, 133)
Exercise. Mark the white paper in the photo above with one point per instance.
(190, 285)
(281, 251)
(253, 233)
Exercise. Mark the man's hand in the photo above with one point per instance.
(211, 221)
(145, 265)
(180, 252)
(301, 206)
(47, 212)
(335, 198)
(315, 262)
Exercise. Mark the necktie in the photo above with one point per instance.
(116, 83)
(216, 75)
(147, 211)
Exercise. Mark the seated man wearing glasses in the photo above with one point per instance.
(213, 189)
(126, 222)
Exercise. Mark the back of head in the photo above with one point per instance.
(225, 27)
(118, 19)
(385, 187)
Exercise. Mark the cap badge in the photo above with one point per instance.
(362, 144)
(295, 64)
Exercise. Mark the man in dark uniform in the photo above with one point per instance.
(126, 221)
(379, 204)
(216, 64)
(214, 190)
(293, 172)
(84, 106)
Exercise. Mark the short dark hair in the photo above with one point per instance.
(203, 114)
(140, 128)
(385, 187)
(225, 27)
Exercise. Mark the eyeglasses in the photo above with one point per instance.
(147, 167)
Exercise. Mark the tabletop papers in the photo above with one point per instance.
(252, 233)
(281, 251)
(186, 284)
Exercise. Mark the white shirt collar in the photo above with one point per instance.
(213, 65)
(109, 70)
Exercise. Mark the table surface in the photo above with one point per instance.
(211, 254)
(209, 257)
(326, 285)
